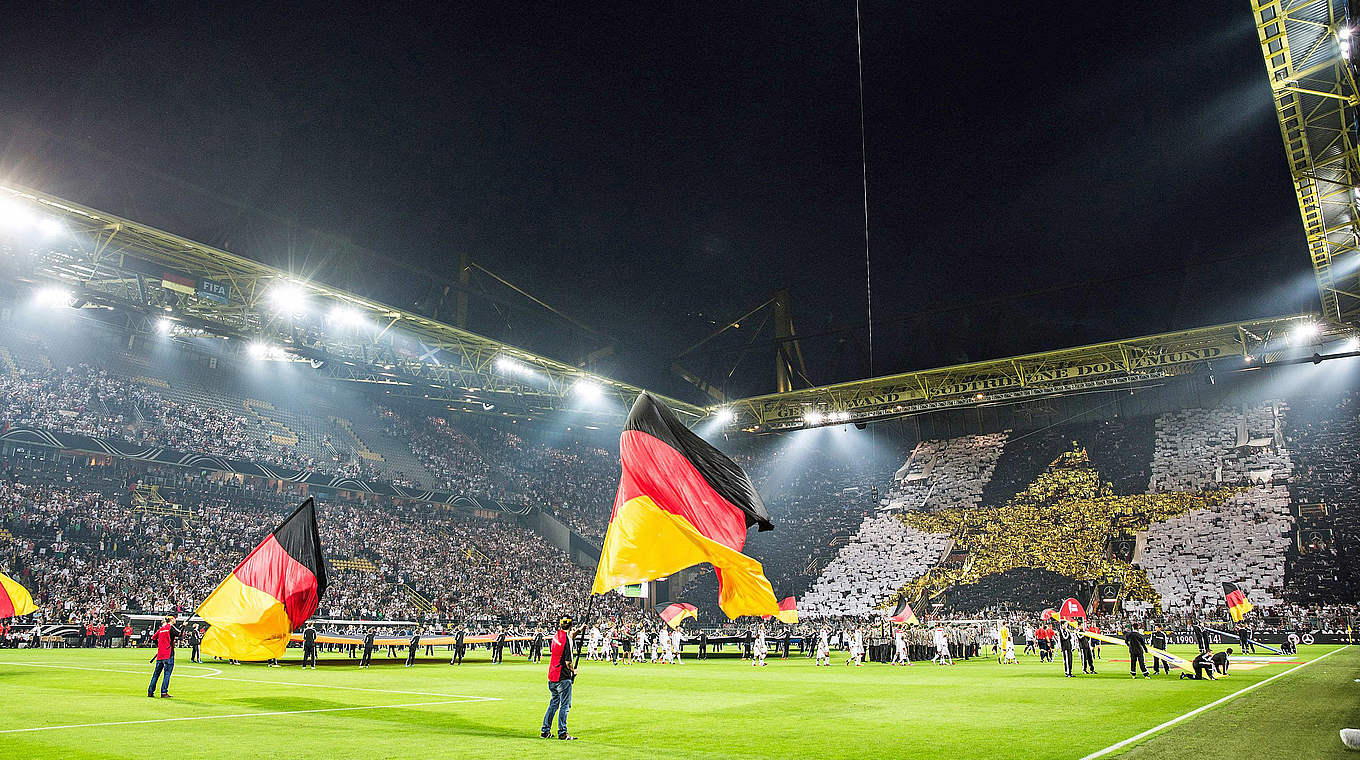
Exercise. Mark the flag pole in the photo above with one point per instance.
(590, 608)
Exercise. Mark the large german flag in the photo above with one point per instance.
(14, 598)
(682, 502)
(274, 590)
(903, 613)
(1238, 606)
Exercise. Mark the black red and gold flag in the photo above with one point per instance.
(678, 613)
(681, 502)
(1238, 606)
(274, 590)
(14, 598)
(903, 613)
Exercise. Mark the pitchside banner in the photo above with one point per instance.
(1137, 363)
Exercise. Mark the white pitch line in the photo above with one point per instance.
(234, 715)
(464, 697)
(1120, 745)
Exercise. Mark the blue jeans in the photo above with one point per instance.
(161, 665)
(560, 704)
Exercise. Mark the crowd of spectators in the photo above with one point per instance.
(1323, 435)
(944, 474)
(86, 551)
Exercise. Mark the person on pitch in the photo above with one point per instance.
(309, 646)
(857, 648)
(498, 646)
(1008, 652)
(1221, 661)
(1066, 640)
(593, 643)
(1029, 639)
(1088, 660)
(536, 649)
(195, 637)
(823, 648)
(413, 648)
(459, 647)
(165, 657)
(1137, 645)
(1203, 665)
(942, 656)
(1157, 640)
(561, 674)
(641, 654)
(785, 642)
(703, 645)
(676, 643)
(368, 649)
(759, 648)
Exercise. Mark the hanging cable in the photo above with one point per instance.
(864, 180)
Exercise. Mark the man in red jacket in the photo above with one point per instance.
(165, 656)
(561, 672)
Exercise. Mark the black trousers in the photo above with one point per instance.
(1158, 666)
(1088, 662)
(1138, 660)
(703, 651)
(1067, 661)
(368, 656)
(496, 652)
(1203, 670)
(308, 655)
(194, 656)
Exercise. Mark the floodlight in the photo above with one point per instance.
(1306, 330)
(257, 349)
(346, 316)
(14, 216)
(724, 416)
(813, 417)
(1350, 346)
(509, 366)
(164, 325)
(588, 390)
(52, 297)
(287, 298)
(50, 227)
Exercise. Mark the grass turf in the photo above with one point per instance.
(718, 708)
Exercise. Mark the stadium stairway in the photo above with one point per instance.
(278, 432)
(418, 599)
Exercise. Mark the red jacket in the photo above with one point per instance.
(560, 653)
(165, 642)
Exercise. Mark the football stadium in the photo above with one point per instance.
(833, 380)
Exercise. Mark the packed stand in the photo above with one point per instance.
(945, 474)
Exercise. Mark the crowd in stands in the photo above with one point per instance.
(1323, 435)
(572, 480)
(90, 400)
(1202, 448)
(1242, 540)
(884, 555)
(945, 474)
(86, 551)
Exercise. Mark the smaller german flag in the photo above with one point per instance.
(1238, 606)
(678, 613)
(788, 610)
(903, 613)
(14, 598)
(274, 590)
(1050, 614)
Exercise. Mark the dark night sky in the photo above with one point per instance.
(650, 169)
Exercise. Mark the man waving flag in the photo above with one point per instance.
(14, 598)
(1238, 606)
(274, 590)
(682, 502)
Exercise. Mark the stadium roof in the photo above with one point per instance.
(1308, 48)
(170, 284)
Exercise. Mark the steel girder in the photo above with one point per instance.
(115, 262)
(1085, 368)
(1307, 46)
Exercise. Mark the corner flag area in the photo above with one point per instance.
(92, 704)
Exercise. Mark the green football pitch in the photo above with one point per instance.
(92, 704)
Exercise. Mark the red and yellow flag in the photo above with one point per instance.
(680, 503)
(676, 614)
(1050, 614)
(274, 590)
(788, 610)
(14, 598)
(903, 613)
(1238, 606)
